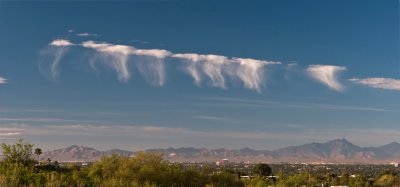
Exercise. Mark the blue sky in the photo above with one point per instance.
(233, 74)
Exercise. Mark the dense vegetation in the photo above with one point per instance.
(19, 168)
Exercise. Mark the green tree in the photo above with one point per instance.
(18, 153)
(385, 180)
(357, 181)
(258, 182)
(300, 179)
(38, 152)
(17, 167)
(262, 170)
(225, 179)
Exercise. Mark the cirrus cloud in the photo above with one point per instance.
(198, 138)
(381, 83)
(216, 68)
(327, 74)
(115, 56)
(85, 34)
(61, 43)
(151, 64)
(3, 80)
(52, 57)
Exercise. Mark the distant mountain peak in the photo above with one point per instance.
(337, 150)
(394, 144)
(340, 140)
(342, 143)
(79, 147)
(76, 146)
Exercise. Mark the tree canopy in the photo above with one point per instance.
(262, 170)
(19, 153)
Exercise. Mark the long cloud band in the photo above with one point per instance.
(216, 69)
(151, 64)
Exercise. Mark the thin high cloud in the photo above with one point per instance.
(327, 74)
(151, 63)
(43, 120)
(115, 56)
(3, 80)
(53, 54)
(218, 68)
(210, 65)
(380, 83)
(235, 102)
(61, 43)
(198, 138)
(85, 34)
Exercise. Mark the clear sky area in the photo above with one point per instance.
(190, 73)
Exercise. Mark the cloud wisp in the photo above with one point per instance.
(209, 65)
(56, 50)
(3, 80)
(115, 56)
(151, 64)
(169, 135)
(61, 43)
(216, 68)
(380, 83)
(235, 102)
(85, 34)
(327, 74)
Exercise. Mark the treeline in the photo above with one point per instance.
(20, 168)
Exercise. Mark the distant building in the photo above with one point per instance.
(222, 162)
(246, 177)
(395, 164)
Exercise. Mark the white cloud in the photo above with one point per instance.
(52, 56)
(208, 65)
(216, 67)
(158, 53)
(153, 69)
(251, 71)
(382, 83)
(151, 64)
(3, 80)
(8, 132)
(61, 43)
(251, 103)
(292, 65)
(327, 74)
(116, 56)
(86, 34)
(43, 120)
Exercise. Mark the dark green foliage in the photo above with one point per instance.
(262, 170)
(258, 182)
(225, 179)
(19, 153)
(144, 168)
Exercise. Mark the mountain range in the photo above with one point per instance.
(334, 151)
